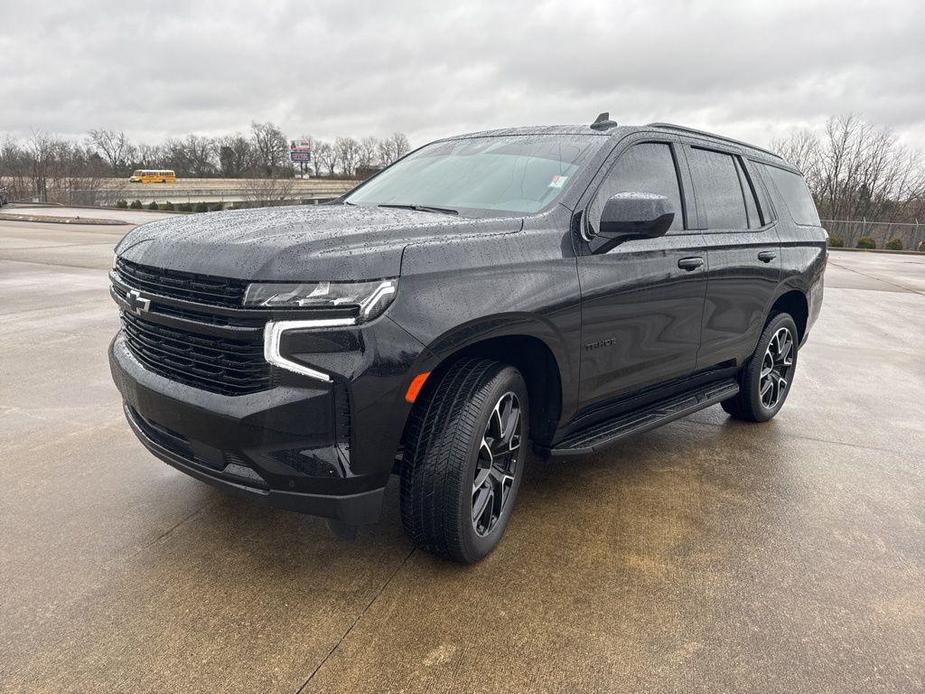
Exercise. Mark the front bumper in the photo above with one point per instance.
(354, 509)
(323, 448)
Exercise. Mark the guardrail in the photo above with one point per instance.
(192, 190)
(228, 190)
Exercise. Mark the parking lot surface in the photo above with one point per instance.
(708, 555)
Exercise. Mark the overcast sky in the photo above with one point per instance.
(749, 69)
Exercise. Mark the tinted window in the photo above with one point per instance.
(793, 190)
(718, 189)
(751, 202)
(644, 168)
(520, 173)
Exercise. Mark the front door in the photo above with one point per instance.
(642, 301)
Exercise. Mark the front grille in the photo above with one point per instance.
(217, 364)
(210, 318)
(204, 289)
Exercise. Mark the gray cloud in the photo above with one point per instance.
(748, 69)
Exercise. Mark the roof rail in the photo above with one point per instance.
(694, 131)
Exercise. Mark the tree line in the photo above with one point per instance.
(53, 168)
(857, 170)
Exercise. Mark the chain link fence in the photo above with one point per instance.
(911, 236)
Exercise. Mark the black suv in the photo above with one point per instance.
(562, 286)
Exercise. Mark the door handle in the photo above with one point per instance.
(690, 264)
(767, 256)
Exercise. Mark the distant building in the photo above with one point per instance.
(364, 172)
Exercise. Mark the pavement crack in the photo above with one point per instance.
(356, 620)
(172, 528)
(803, 437)
(879, 279)
(47, 263)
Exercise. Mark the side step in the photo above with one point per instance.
(603, 434)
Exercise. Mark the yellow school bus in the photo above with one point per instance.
(153, 176)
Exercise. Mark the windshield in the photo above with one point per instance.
(521, 174)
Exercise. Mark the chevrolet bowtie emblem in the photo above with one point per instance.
(136, 302)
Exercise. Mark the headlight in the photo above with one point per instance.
(369, 298)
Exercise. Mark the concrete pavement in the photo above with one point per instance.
(707, 555)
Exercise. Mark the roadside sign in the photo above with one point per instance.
(300, 151)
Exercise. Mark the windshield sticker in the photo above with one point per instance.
(558, 181)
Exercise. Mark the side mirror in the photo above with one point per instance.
(635, 216)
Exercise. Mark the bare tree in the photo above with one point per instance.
(348, 151)
(800, 148)
(326, 158)
(52, 169)
(115, 148)
(369, 152)
(856, 170)
(149, 157)
(40, 150)
(235, 155)
(386, 152)
(200, 156)
(394, 147)
(271, 149)
(400, 144)
(14, 168)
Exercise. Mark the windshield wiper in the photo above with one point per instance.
(422, 208)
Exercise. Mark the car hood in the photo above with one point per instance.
(326, 242)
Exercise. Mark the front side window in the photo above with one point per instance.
(520, 174)
(718, 189)
(644, 168)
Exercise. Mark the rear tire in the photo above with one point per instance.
(463, 459)
(765, 381)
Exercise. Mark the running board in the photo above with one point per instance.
(603, 434)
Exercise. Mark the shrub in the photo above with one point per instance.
(136, 205)
(217, 207)
(122, 203)
(894, 245)
(836, 242)
(184, 207)
(922, 247)
(866, 242)
(168, 206)
(152, 205)
(202, 207)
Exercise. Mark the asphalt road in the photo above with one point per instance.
(708, 555)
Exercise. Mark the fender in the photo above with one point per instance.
(480, 330)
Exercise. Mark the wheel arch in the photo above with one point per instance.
(795, 303)
(523, 342)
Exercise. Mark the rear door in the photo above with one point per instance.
(642, 301)
(742, 249)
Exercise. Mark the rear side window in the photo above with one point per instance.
(751, 201)
(718, 189)
(644, 168)
(796, 195)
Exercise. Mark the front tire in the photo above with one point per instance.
(463, 459)
(765, 382)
